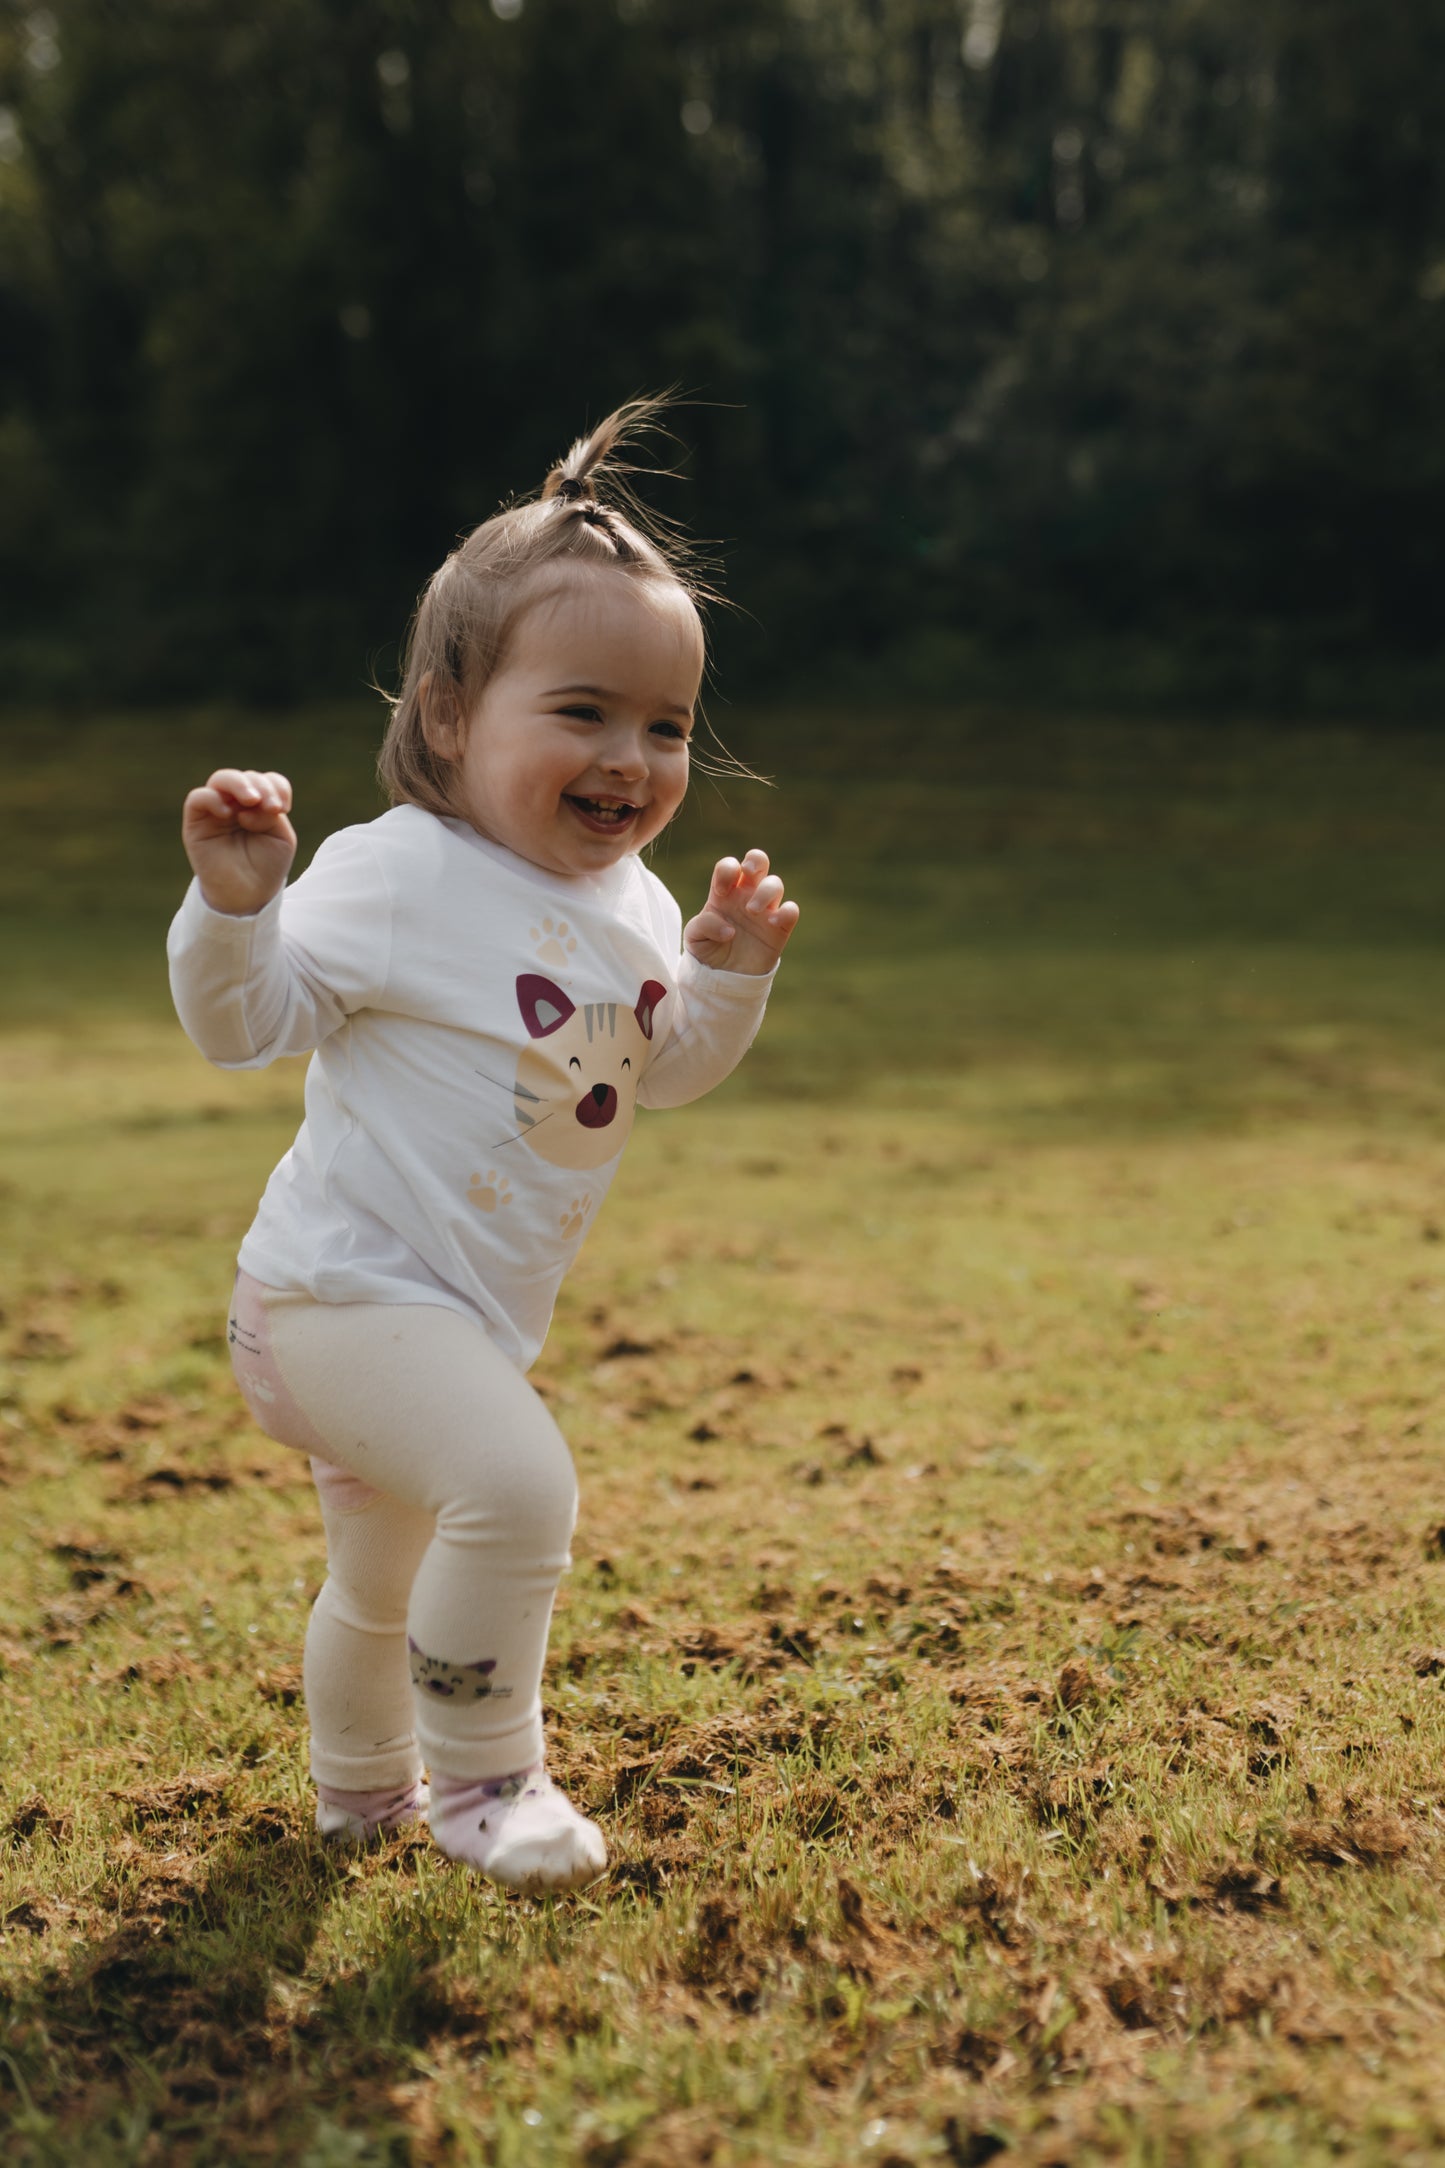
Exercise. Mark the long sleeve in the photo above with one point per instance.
(716, 1015)
(249, 990)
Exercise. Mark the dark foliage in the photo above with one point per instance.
(1014, 323)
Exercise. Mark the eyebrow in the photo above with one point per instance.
(603, 692)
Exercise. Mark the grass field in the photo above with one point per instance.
(1006, 1640)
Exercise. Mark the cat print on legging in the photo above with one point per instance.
(453, 1682)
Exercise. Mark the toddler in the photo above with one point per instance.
(489, 980)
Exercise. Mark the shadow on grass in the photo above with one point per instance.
(184, 2032)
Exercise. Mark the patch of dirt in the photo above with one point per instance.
(282, 1685)
(183, 1479)
(171, 1482)
(100, 1591)
(33, 1818)
(1081, 1683)
(965, 2146)
(1369, 1838)
(679, 2138)
(42, 1340)
(166, 1668)
(1074, 1799)
(716, 1646)
(1241, 1886)
(90, 1558)
(37, 1914)
(994, 1903)
(118, 1433)
(725, 1955)
(198, 1794)
(734, 1951)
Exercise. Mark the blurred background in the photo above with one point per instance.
(1085, 350)
(1066, 413)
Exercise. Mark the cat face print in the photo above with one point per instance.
(576, 1087)
(451, 1682)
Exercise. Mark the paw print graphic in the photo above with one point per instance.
(575, 1218)
(555, 944)
(488, 1192)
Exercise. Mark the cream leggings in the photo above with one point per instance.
(449, 1498)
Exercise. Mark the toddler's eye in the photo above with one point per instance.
(584, 714)
(669, 730)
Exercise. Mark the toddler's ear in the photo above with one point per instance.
(439, 705)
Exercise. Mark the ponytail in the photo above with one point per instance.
(587, 513)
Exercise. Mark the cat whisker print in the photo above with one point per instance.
(522, 1136)
(520, 1098)
(501, 1087)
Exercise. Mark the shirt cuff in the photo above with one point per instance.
(197, 926)
(738, 986)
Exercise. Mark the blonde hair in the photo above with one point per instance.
(586, 517)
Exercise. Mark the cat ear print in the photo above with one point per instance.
(647, 1002)
(545, 1008)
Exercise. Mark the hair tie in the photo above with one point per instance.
(569, 489)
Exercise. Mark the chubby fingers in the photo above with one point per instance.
(724, 881)
(253, 798)
(759, 892)
(710, 925)
(252, 789)
(770, 919)
(733, 880)
(745, 895)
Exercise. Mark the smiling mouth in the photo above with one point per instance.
(603, 812)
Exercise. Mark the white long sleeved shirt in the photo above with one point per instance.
(481, 1031)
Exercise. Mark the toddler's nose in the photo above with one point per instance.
(624, 760)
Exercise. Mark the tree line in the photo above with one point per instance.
(1013, 325)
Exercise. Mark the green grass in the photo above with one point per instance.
(1006, 1637)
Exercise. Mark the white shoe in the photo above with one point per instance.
(522, 1832)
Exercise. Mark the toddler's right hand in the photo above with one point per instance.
(238, 839)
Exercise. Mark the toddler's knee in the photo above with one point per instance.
(529, 1505)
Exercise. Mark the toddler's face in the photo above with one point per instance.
(577, 751)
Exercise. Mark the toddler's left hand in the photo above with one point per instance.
(745, 924)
